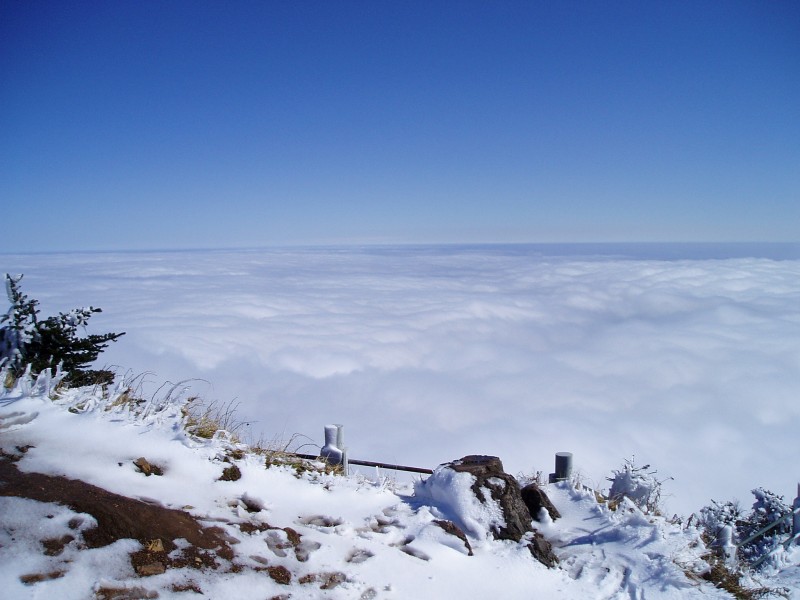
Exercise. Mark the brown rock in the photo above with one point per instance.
(455, 530)
(39, 577)
(504, 490)
(535, 499)
(133, 593)
(232, 473)
(280, 575)
(144, 466)
(153, 568)
(542, 550)
(55, 546)
(332, 580)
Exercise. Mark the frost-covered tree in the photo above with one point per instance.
(769, 508)
(26, 340)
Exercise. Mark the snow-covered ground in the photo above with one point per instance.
(687, 358)
(360, 538)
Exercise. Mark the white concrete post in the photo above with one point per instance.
(725, 544)
(334, 451)
(330, 451)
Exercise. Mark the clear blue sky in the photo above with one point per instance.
(147, 125)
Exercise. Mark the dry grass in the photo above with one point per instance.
(731, 580)
(282, 453)
(277, 458)
(9, 380)
(206, 419)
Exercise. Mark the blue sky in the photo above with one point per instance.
(149, 125)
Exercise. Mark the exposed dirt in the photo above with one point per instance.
(118, 517)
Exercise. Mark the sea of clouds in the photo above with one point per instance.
(686, 358)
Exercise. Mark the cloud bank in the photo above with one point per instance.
(430, 353)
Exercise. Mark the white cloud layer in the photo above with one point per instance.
(427, 354)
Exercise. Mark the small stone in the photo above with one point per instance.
(143, 466)
(39, 577)
(304, 549)
(127, 593)
(280, 575)
(55, 546)
(232, 473)
(147, 467)
(455, 530)
(153, 568)
(333, 580)
(542, 550)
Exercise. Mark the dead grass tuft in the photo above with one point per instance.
(206, 418)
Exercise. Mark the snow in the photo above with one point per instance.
(451, 495)
(373, 539)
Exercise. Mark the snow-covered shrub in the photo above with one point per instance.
(29, 342)
(637, 484)
(767, 509)
(717, 515)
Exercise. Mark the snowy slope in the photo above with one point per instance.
(336, 537)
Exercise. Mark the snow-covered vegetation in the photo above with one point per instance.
(30, 342)
(283, 532)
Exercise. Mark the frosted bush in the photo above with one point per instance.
(769, 508)
(638, 485)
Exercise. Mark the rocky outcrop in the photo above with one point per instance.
(493, 486)
(502, 488)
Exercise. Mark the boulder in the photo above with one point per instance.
(504, 515)
(502, 488)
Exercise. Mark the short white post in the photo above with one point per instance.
(334, 451)
(330, 451)
(725, 544)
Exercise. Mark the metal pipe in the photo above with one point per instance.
(369, 463)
